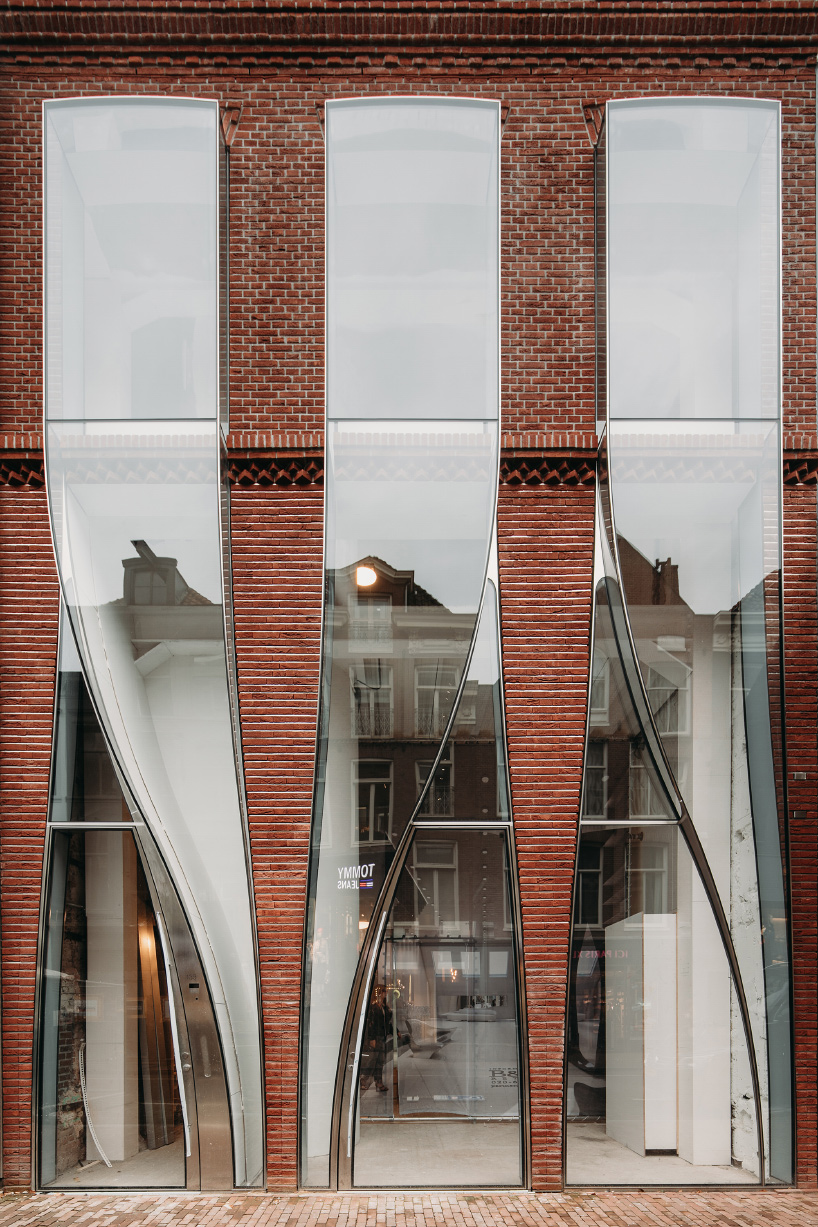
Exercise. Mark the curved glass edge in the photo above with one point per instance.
(150, 627)
(659, 1082)
(412, 216)
(440, 1037)
(607, 572)
(409, 515)
(703, 499)
(620, 789)
(133, 196)
(692, 235)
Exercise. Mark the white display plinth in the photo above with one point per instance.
(640, 1032)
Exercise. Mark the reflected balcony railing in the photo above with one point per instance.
(373, 723)
(430, 723)
(360, 629)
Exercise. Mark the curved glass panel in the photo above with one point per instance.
(412, 269)
(140, 564)
(691, 488)
(698, 530)
(412, 193)
(111, 1109)
(84, 784)
(134, 293)
(409, 515)
(693, 258)
(132, 257)
(438, 1088)
(659, 1088)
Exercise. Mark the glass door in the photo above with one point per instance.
(437, 1081)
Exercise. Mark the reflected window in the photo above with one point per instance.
(668, 694)
(436, 885)
(372, 700)
(435, 687)
(439, 800)
(370, 617)
(588, 901)
(372, 785)
(600, 688)
(595, 788)
(644, 793)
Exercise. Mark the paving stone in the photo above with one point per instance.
(781, 1208)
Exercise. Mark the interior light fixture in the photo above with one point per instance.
(365, 577)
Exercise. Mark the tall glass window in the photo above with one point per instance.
(411, 710)
(134, 390)
(683, 810)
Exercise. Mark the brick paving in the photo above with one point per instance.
(784, 1208)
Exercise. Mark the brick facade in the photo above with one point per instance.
(275, 65)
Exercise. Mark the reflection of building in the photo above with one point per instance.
(340, 791)
(392, 637)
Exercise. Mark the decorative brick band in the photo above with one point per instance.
(492, 32)
(305, 467)
(22, 471)
(547, 469)
(801, 468)
(284, 469)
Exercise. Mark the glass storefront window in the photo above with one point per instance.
(438, 1077)
(135, 200)
(411, 702)
(659, 1088)
(112, 1112)
(403, 594)
(703, 605)
(685, 697)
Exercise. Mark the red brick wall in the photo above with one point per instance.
(546, 547)
(29, 614)
(801, 690)
(277, 577)
(544, 70)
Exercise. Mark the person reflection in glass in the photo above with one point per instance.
(378, 1033)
